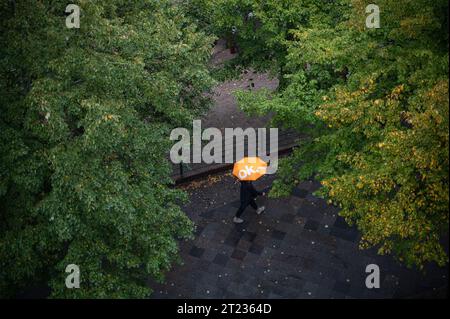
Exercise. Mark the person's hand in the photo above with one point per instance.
(263, 193)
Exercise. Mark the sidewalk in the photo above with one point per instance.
(299, 248)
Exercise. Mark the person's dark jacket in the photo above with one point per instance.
(248, 192)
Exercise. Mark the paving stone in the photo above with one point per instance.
(309, 210)
(357, 291)
(311, 225)
(232, 295)
(196, 252)
(248, 236)
(342, 287)
(276, 208)
(221, 259)
(276, 234)
(235, 204)
(223, 282)
(256, 249)
(307, 263)
(310, 289)
(238, 254)
(323, 294)
(313, 199)
(287, 218)
(203, 265)
(211, 229)
(275, 296)
(224, 249)
(233, 238)
(301, 193)
(208, 214)
(209, 279)
(350, 235)
(205, 290)
(296, 282)
(244, 245)
(329, 219)
(242, 226)
(219, 237)
(241, 289)
(288, 227)
(198, 230)
(295, 202)
(284, 291)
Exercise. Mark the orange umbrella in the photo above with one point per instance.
(249, 168)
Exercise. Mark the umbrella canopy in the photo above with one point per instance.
(249, 168)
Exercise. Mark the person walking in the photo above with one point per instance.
(248, 195)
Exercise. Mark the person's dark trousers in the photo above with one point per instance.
(248, 195)
(244, 205)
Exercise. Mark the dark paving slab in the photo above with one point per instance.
(298, 248)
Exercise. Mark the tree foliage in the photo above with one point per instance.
(85, 119)
(374, 103)
(263, 28)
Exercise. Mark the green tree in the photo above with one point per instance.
(85, 119)
(264, 28)
(374, 103)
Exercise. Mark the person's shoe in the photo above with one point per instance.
(260, 210)
(238, 220)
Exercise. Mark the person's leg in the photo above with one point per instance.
(241, 210)
(253, 204)
(259, 210)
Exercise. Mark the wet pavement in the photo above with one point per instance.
(298, 248)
